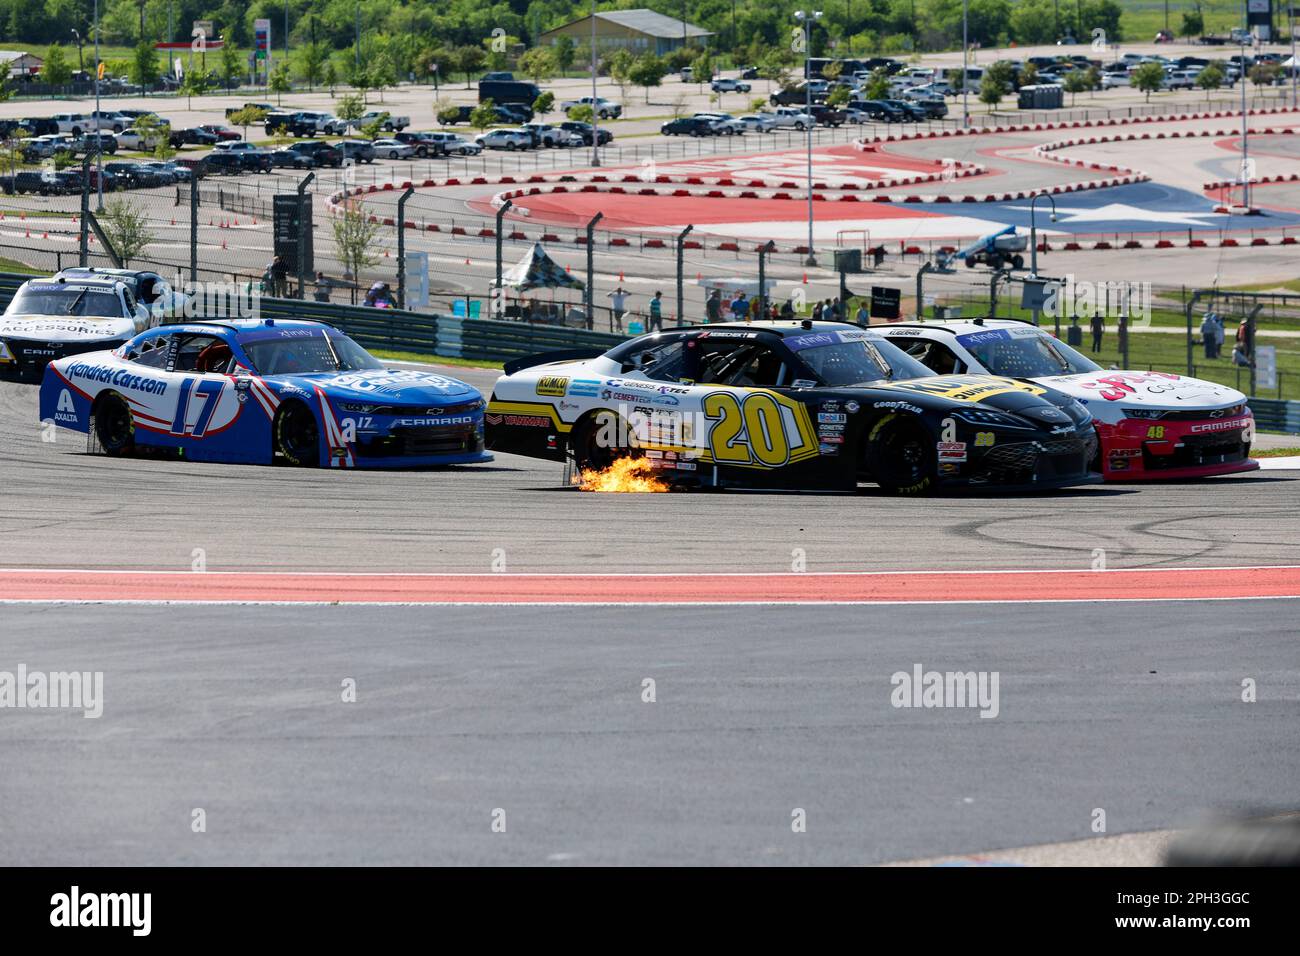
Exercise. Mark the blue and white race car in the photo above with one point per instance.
(260, 391)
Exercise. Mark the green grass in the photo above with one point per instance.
(13, 265)
(390, 356)
(1273, 452)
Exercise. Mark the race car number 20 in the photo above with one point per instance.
(754, 430)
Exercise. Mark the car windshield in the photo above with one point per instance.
(854, 358)
(65, 300)
(303, 351)
(1024, 353)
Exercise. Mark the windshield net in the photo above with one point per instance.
(854, 358)
(1024, 353)
(302, 351)
(65, 300)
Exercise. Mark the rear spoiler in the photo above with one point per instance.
(563, 355)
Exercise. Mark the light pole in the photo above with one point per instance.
(1245, 134)
(81, 59)
(99, 153)
(595, 114)
(806, 17)
(1033, 248)
(965, 70)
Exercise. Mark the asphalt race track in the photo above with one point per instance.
(1133, 707)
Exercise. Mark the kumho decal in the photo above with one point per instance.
(120, 378)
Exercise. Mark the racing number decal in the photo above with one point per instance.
(752, 430)
(1156, 431)
(210, 392)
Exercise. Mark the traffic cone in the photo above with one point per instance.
(45, 235)
(173, 221)
(805, 278)
(386, 255)
(620, 275)
(29, 233)
(236, 222)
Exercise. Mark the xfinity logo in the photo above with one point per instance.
(74, 909)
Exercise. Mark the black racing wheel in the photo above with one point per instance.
(296, 436)
(114, 426)
(900, 455)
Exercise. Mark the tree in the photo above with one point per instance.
(565, 51)
(992, 88)
(1033, 22)
(349, 107)
(248, 116)
(832, 70)
(582, 113)
(1193, 22)
(878, 85)
(702, 68)
(127, 229)
(144, 66)
(619, 65)
(232, 66)
(330, 76)
(544, 103)
(383, 73)
(446, 112)
(467, 60)
(1263, 74)
(774, 69)
(195, 83)
(375, 128)
(1148, 78)
(354, 239)
(1076, 81)
(1210, 78)
(56, 69)
(311, 63)
(537, 64)
(838, 96)
(483, 115)
(1029, 74)
(647, 70)
(1093, 77)
(279, 83)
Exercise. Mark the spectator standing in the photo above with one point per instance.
(321, 291)
(279, 277)
(817, 312)
(1098, 326)
(1219, 335)
(713, 307)
(657, 313)
(862, 317)
(618, 307)
(739, 306)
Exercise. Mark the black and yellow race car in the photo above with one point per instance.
(789, 404)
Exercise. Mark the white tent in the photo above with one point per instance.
(730, 285)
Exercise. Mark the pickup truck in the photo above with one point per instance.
(829, 115)
(789, 117)
(390, 122)
(794, 95)
(265, 107)
(603, 108)
(305, 124)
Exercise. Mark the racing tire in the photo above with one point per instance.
(296, 436)
(899, 454)
(114, 426)
(588, 452)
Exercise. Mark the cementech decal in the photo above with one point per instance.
(965, 388)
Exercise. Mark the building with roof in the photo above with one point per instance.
(17, 63)
(638, 31)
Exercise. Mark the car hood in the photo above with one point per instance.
(381, 386)
(1001, 394)
(1155, 390)
(65, 328)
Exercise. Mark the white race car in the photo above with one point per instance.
(1150, 424)
(65, 315)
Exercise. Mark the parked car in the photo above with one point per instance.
(317, 154)
(182, 174)
(196, 136)
(452, 145)
(1111, 80)
(392, 149)
(509, 139)
(43, 147)
(110, 120)
(828, 115)
(759, 122)
(39, 126)
(546, 135)
(514, 112)
(254, 160)
(911, 112)
(933, 106)
(223, 164)
(688, 126)
(749, 72)
(74, 123)
(723, 85)
(224, 134)
(423, 144)
(134, 139)
(389, 124)
(359, 150)
(163, 171)
(790, 117)
(603, 108)
(880, 111)
(265, 107)
(724, 124)
(585, 132)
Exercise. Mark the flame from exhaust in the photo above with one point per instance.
(624, 475)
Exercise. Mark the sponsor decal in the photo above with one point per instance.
(958, 388)
(851, 407)
(898, 406)
(117, 377)
(586, 387)
(569, 406)
(445, 420)
(832, 439)
(894, 333)
(983, 439)
(952, 450)
(392, 380)
(554, 385)
(1120, 385)
(946, 468)
(1062, 429)
(830, 406)
(803, 383)
(831, 418)
(827, 449)
(1126, 453)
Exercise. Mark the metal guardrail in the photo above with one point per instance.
(1276, 415)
